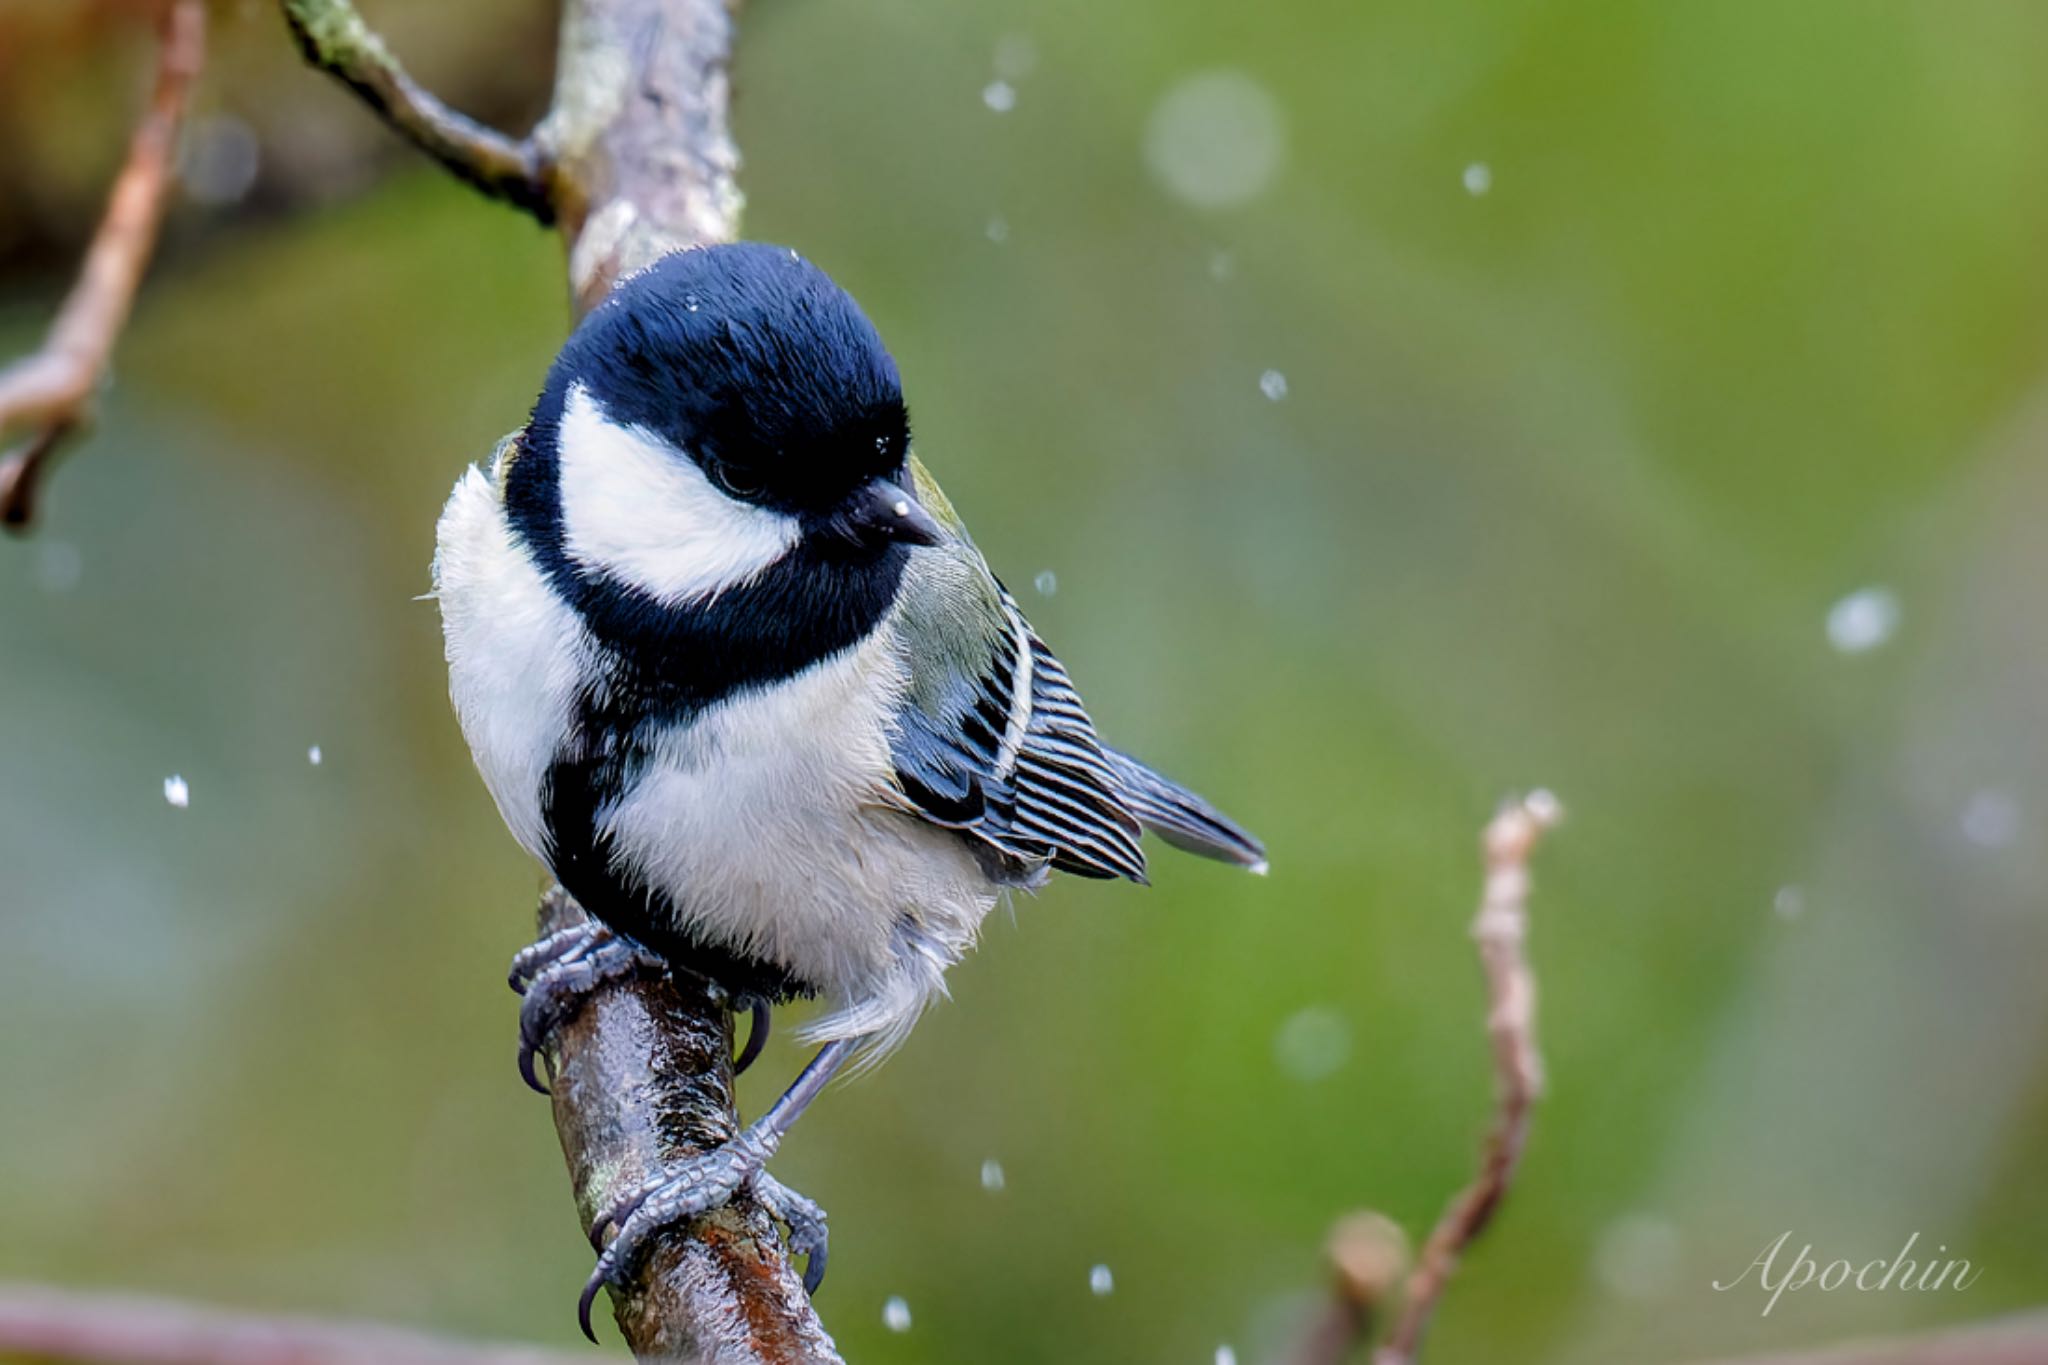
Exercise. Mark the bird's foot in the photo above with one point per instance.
(695, 1187)
(557, 974)
(805, 1220)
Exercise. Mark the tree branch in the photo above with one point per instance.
(39, 1323)
(1367, 1251)
(333, 37)
(52, 389)
(1501, 929)
(641, 1076)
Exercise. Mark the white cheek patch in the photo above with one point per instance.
(642, 512)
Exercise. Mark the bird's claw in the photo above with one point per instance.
(805, 1220)
(682, 1192)
(556, 975)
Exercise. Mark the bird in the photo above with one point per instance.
(735, 674)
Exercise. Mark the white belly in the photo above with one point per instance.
(764, 821)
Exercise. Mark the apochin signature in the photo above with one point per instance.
(1870, 1277)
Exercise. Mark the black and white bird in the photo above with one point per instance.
(734, 672)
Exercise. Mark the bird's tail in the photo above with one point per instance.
(1182, 818)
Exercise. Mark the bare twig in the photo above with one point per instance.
(1500, 929)
(334, 38)
(40, 1323)
(51, 390)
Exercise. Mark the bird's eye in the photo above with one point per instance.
(736, 482)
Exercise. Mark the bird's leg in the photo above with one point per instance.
(707, 1181)
(555, 975)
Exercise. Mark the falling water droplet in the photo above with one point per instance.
(313, 755)
(999, 96)
(992, 1176)
(1991, 819)
(896, 1314)
(1313, 1043)
(1478, 178)
(177, 792)
(1273, 384)
(1100, 1281)
(1864, 620)
(1047, 582)
(1790, 902)
(1225, 1355)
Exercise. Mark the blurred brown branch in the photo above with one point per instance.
(333, 37)
(51, 390)
(40, 1323)
(634, 159)
(1365, 1249)
(1501, 930)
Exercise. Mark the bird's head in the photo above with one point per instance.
(721, 408)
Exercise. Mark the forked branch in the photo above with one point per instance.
(334, 38)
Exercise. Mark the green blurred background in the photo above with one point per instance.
(1655, 413)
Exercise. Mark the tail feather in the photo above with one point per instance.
(1182, 818)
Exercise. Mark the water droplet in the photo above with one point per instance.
(1478, 178)
(1047, 582)
(1790, 902)
(1215, 139)
(1864, 620)
(59, 566)
(1273, 384)
(313, 755)
(1313, 1044)
(1638, 1257)
(896, 1314)
(1016, 56)
(998, 230)
(220, 160)
(177, 791)
(992, 1176)
(1991, 819)
(1225, 1356)
(1101, 1282)
(1000, 96)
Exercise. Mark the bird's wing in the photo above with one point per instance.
(992, 739)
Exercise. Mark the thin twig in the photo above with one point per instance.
(51, 390)
(41, 1323)
(335, 38)
(1501, 930)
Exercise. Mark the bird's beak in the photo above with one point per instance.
(885, 511)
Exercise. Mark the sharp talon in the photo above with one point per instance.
(590, 1288)
(757, 1038)
(528, 1056)
(808, 1236)
(814, 1271)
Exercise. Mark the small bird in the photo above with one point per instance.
(734, 672)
